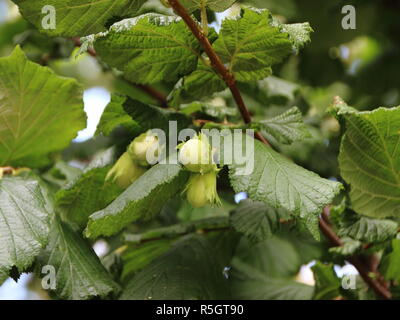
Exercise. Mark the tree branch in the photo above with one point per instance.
(216, 63)
(155, 94)
(377, 283)
(230, 81)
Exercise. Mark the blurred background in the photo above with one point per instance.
(362, 66)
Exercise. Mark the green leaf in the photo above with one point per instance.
(201, 83)
(136, 258)
(214, 5)
(86, 195)
(151, 117)
(391, 262)
(114, 116)
(142, 200)
(267, 270)
(209, 108)
(271, 90)
(349, 247)
(287, 127)
(251, 45)
(35, 106)
(149, 48)
(370, 230)
(76, 17)
(25, 212)
(299, 33)
(176, 230)
(279, 182)
(369, 160)
(327, 283)
(256, 220)
(79, 273)
(257, 286)
(189, 270)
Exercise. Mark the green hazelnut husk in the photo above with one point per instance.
(196, 155)
(141, 146)
(125, 171)
(202, 190)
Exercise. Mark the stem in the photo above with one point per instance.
(379, 287)
(230, 80)
(216, 63)
(204, 18)
(155, 94)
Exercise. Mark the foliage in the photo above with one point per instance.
(322, 168)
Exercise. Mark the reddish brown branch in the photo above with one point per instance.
(216, 63)
(377, 283)
(230, 81)
(155, 94)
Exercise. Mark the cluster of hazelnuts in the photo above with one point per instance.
(196, 156)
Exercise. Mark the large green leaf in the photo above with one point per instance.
(25, 214)
(327, 283)
(257, 220)
(142, 200)
(370, 230)
(191, 269)
(215, 5)
(149, 48)
(370, 160)
(79, 273)
(268, 269)
(40, 112)
(279, 182)
(286, 128)
(87, 194)
(77, 17)
(114, 116)
(251, 45)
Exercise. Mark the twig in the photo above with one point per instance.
(230, 81)
(216, 63)
(155, 94)
(377, 284)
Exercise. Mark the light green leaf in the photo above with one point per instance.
(190, 270)
(79, 273)
(370, 230)
(286, 128)
(327, 283)
(25, 214)
(370, 160)
(349, 247)
(114, 116)
(40, 112)
(76, 18)
(279, 182)
(149, 48)
(391, 262)
(202, 82)
(257, 220)
(215, 5)
(299, 33)
(251, 45)
(142, 200)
